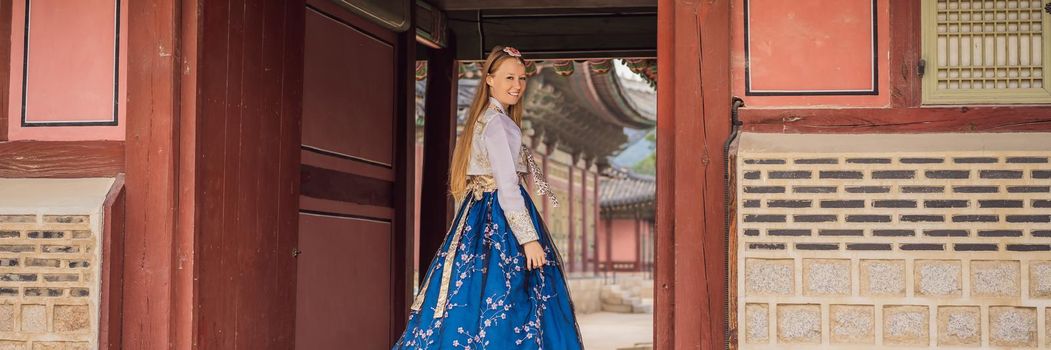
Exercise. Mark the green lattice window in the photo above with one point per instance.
(986, 52)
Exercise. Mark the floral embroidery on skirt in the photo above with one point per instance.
(491, 300)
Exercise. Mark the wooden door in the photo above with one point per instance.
(350, 273)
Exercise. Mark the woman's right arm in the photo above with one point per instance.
(502, 161)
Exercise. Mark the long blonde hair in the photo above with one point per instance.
(462, 153)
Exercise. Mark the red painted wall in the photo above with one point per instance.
(810, 48)
(624, 248)
(74, 61)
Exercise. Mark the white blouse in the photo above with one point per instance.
(497, 151)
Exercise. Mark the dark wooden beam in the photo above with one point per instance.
(450, 5)
(439, 136)
(694, 123)
(61, 159)
(899, 120)
(404, 179)
(548, 35)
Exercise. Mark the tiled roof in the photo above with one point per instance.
(621, 187)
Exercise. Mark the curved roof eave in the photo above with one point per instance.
(604, 95)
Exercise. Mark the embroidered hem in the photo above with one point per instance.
(447, 268)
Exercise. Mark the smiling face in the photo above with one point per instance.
(507, 83)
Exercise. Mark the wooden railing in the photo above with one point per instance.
(620, 266)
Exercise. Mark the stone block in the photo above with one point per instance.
(1047, 325)
(798, 324)
(1012, 326)
(1040, 279)
(622, 309)
(34, 318)
(12, 345)
(994, 278)
(938, 277)
(769, 276)
(959, 326)
(38, 262)
(882, 277)
(906, 325)
(66, 219)
(17, 219)
(757, 323)
(852, 324)
(61, 346)
(826, 276)
(7, 318)
(72, 318)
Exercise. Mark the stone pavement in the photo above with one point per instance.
(614, 331)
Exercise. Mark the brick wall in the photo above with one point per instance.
(50, 239)
(893, 241)
(48, 282)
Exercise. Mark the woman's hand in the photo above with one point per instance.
(535, 257)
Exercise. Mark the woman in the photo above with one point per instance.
(497, 281)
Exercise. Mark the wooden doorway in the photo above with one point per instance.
(355, 205)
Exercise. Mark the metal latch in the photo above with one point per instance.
(921, 68)
(296, 252)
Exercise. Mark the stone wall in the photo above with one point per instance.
(922, 241)
(586, 294)
(49, 263)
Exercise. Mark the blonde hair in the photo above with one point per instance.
(462, 152)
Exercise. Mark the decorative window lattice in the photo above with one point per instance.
(985, 51)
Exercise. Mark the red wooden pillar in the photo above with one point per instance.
(638, 242)
(439, 134)
(693, 53)
(652, 247)
(151, 202)
(594, 221)
(584, 217)
(188, 157)
(609, 246)
(549, 148)
(572, 205)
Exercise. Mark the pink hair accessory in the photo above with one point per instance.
(512, 52)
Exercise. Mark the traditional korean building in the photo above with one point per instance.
(857, 173)
(626, 224)
(578, 115)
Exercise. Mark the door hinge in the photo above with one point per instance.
(296, 252)
(921, 67)
(1047, 8)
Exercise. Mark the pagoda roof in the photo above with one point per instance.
(624, 192)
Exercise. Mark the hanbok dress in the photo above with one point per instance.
(477, 293)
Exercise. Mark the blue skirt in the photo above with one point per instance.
(486, 299)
